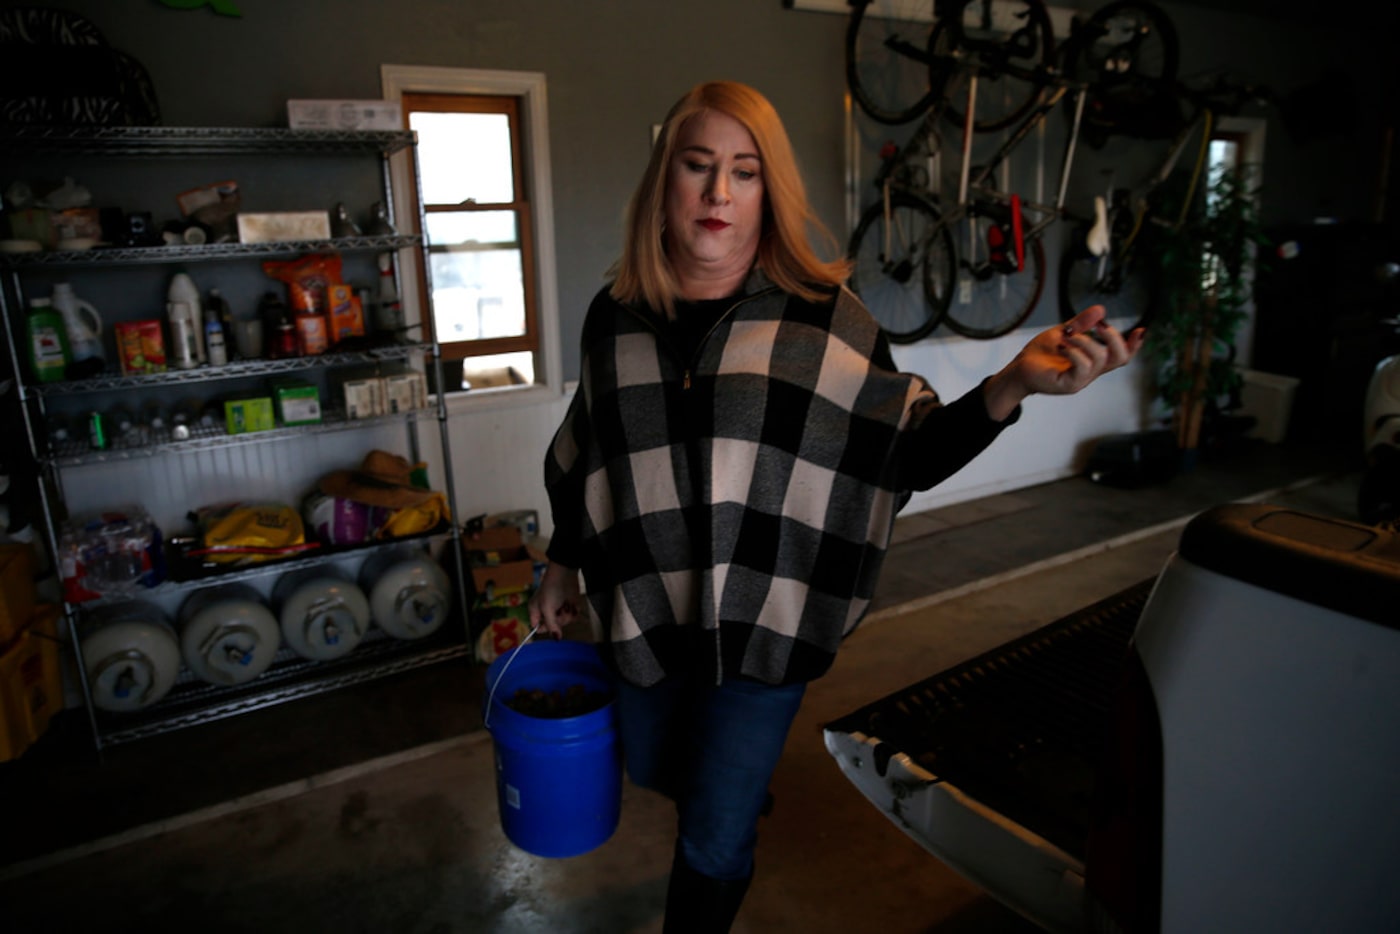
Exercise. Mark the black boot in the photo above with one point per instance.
(698, 904)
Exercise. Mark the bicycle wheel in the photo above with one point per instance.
(1128, 53)
(992, 297)
(887, 65)
(1020, 36)
(903, 270)
(1123, 285)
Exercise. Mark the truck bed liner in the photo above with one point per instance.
(1019, 728)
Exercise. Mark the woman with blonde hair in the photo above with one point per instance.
(727, 475)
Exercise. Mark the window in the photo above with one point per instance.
(1226, 154)
(482, 167)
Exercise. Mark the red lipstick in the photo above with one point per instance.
(711, 223)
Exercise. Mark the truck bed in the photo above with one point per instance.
(1020, 728)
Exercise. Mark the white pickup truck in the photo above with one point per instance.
(1216, 749)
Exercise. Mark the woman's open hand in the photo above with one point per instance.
(1063, 359)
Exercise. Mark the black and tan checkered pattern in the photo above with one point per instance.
(738, 505)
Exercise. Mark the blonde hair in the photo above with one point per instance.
(643, 274)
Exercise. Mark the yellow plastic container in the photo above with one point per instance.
(31, 685)
(17, 594)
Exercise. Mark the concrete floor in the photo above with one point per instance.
(373, 809)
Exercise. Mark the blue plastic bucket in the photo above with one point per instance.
(558, 781)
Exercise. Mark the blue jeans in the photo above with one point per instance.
(712, 749)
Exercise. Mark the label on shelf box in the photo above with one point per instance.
(364, 398)
(405, 392)
(344, 115)
(245, 415)
(297, 403)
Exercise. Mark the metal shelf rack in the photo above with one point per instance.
(203, 438)
(112, 141)
(290, 677)
(234, 370)
(201, 253)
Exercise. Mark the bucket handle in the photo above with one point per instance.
(491, 697)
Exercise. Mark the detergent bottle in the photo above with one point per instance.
(84, 327)
(47, 341)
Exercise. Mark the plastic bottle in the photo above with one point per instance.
(220, 306)
(278, 331)
(179, 424)
(99, 431)
(57, 427)
(122, 424)
(312, 333)
(388, 315)
(155, 422)
(214, 338)
(47, 340)
(183, 307)
(84, 327)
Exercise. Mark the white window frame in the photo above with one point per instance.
(529, 86)
(1251, 134)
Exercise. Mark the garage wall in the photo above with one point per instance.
(613, 68)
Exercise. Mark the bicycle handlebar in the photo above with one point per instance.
(1040, 74)
(1225, 97)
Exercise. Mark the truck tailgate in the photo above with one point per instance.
(990, 765)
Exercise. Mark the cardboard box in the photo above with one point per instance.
(208, 196)
(49, 228)
(346, 317)
(344, 115)
(405, 392)
(501, 563)
(297, 403)
(364, 398)
(283, 226)
(17, 592)
(1269, 398)
(140, 346)
(31, 684)
(245, 415)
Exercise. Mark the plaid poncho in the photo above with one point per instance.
(730, 512)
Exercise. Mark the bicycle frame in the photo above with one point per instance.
(999, 235)
(972, 188)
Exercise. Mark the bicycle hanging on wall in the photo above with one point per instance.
(1117, 266)
(911, 258)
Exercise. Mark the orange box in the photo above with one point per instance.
(31, 685)
(140, 346)
(17, 593)
(347, 317)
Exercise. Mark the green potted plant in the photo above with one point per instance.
(1207, 268)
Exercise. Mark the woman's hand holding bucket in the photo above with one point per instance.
(555, 602)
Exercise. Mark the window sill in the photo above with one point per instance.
(472, 401)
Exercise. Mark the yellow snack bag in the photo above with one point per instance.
(245, 533)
